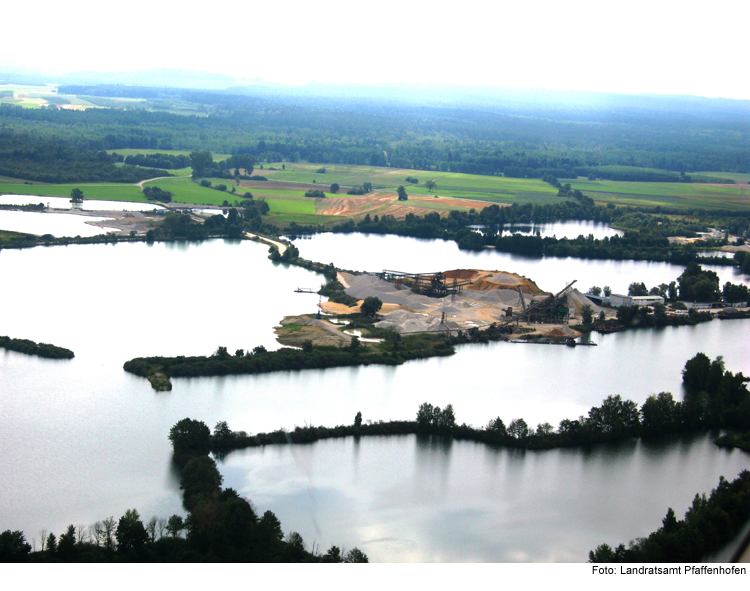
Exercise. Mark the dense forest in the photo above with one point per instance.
(653, 139)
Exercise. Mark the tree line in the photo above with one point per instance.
(635, 144)
(32, 348)
(709, 524)
(715, 398)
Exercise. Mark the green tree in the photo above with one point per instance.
(697, 372)
(51, 544)
(175, 525)
(607, 291)
(446, 418)
(426, 415)
(76, 196)
(333, 555)
(402, 196)
(518, 429)
(587, 316)
(13, 546)
(637, 289)
(334, 188)
(430, 185)
(358, 420)
(659, 413)
(595, 290)
(201, 162)
(371, 306)
(190, 437)
(355, 555)
(66, 545)
(496, 425)
(270, 526)
(544, 429)
(131, 534)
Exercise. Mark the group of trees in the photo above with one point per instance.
(157, 194)
(434, 418)
(31, 156)
(708, 525)
(631, 142)
(238, 166)
(715, 398)
(221, 525)
(698, 285)
(159, 160)
(319, 357)
(32, 348)
(178, 225)
(646, 241)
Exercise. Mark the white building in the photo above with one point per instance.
(618, 300)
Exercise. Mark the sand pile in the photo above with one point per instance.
(577, 300)
(490, 280)
(563, 331)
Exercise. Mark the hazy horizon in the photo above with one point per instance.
(638, 48)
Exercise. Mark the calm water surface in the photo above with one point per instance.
(87, 205)
(373, 253)
(566, 229)
(82, 440)
(40, 223)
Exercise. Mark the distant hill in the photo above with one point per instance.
(159, 77)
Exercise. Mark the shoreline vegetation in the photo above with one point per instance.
(28, 347)
(715, 399)
(709, 525)
(394, 349)
(646, 231)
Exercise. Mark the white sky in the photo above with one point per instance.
(656, 46)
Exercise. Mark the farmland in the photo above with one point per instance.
(103, 191)
(287, 182)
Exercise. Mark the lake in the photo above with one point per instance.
(40, 223)
(83, 440)
(87, 205)
(374, 253)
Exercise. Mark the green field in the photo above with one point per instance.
(304, 206)
(184, 190)
(681, 195)
(289, 204)
(449, 184)
(103, 191)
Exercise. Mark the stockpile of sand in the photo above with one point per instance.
(362, 286)
(577, 300)
(404, 321)
(563, 331)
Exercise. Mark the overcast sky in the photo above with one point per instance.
(656, 46)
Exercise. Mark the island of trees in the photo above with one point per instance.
(39, 349)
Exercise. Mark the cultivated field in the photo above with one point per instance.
(103, 191)
(285, 188)
(682, 195)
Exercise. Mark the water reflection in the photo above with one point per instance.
(83, 440)
(566, 229)
(410, 498)
(373, 253)
(31, 222)
(88, 204)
